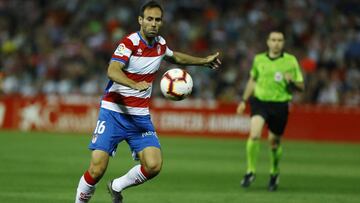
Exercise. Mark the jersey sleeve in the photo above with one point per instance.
(168, 52)
(254, 69)
(298, 74)
(123, 51)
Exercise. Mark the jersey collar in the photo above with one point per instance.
(273, 59)
(156, 39)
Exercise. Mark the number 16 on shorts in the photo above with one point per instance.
(100, 128)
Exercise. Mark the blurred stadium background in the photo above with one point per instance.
(64, 46)
(53, 59)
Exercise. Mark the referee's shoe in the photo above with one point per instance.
(248, 179)
(273, 182)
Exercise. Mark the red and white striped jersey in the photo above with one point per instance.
(142, 62)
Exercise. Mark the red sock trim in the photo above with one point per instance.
(90, 180)
(142, 169)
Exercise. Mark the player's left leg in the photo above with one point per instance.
(151, 160)
(149, 167)
(276, 123)
(275, 156)
(145, 146)
(275, 152)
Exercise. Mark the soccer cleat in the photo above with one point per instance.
(248, 179)
(273, 183)
(116, 196)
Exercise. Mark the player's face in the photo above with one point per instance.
(151, 22)
(275, 42)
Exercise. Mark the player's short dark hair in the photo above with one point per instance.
(150, 4)
(276, 31)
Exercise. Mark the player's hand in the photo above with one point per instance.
(290, 85)
(241, 107)
(141, 86)
(288, 77)
(212, 61)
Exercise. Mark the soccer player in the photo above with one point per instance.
(274, 75)
(124, 111)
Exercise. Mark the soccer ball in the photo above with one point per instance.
(176, 84)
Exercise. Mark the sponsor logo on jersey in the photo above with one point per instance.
(120, 50)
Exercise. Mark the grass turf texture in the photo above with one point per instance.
(46, 167)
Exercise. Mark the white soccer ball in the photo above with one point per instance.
(176, 84)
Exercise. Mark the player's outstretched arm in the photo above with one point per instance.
(116, 74)
(212, 61)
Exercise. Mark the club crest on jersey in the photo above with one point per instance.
(120, 50)
(158, 49)
(278, 76)
(139, 52)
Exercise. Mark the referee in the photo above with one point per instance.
(274, 75)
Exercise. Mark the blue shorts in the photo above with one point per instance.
(113, 127)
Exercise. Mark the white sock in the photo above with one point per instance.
(84, 191)
(133, 177)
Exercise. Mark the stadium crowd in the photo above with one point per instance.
(63, 47)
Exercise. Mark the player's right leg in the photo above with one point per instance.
(107, 134)
(87, 183)
(252, 149)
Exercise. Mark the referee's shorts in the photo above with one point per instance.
(275, 114)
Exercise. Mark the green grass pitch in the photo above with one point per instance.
(46, 167)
